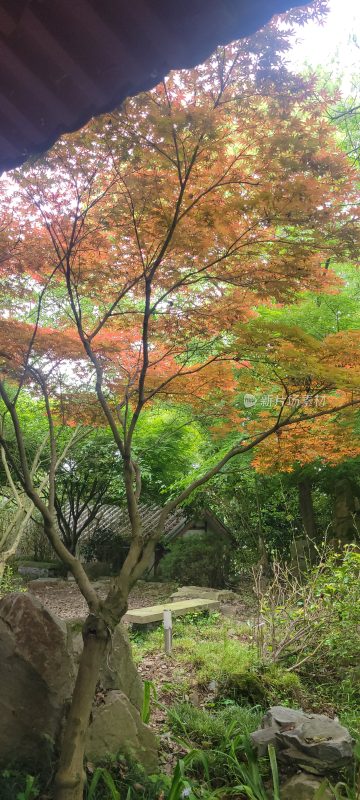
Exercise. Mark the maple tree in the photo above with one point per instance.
(298, 350)
(135, 253)
(316, 449)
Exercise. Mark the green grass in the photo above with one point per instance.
(198, 632)
(215, 660)
(342, 697)
(144, 643)
(202, 644)
(201, 727)
(219, 754)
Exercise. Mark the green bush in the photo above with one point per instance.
(334, 669)
(280, 686)
(198, 560)
(105, 545)
(310, 631)
(338, 588)
(10, 582)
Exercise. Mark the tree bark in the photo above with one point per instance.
(263, 562)
(70, 778)
(307, 508)
(345, 510)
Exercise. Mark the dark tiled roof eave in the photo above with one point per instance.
(64, 61)
(117, 519)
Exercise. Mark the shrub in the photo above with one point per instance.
(198, 559)
(106, 546)
(10, 582)
(311, 628)
(280, 686)
(338, 590)
(300, 620)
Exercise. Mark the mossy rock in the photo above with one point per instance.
(246, 686)
(281, 686)
(263, 686)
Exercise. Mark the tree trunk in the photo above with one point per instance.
(307, 508)
(345, 512)
(2, 566)
(263, 562)
(70, 778)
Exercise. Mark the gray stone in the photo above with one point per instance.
(118, 671)
(39, 655)
(33, 572)
(321, 743)
(313, 742)
(305, 787)
(261, 740)
(192, 592)
(282, 718)
(37, 676)
(148, 614)
(117, 727)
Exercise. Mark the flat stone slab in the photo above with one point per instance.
(193, 592)
(143, 616)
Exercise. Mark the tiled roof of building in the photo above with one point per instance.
(64, 61)
(117, 519)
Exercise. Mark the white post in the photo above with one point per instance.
(167, 632)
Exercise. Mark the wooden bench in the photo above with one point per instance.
(143, 616)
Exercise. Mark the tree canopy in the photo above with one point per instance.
(143, 260)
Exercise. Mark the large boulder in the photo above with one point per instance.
(39, 655)
(310, 742)
(118, 671)
(116, 727)
(37, 675)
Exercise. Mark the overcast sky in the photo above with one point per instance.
(320, 44)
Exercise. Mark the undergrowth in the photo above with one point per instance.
(220, 652)
(311, 629)
(10, 582)
(209, 728)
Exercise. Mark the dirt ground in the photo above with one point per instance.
(64, 599)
